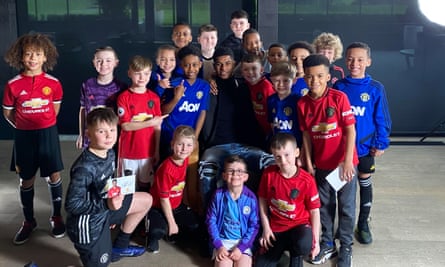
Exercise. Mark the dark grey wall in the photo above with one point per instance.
(416, 94)
(8, 30)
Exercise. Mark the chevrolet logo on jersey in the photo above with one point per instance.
(178, 187)
(35, 103)
(282, 205)
(324, 127)
(142, 117)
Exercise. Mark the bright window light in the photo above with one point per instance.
(433, 10)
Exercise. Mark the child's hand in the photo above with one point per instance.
(213, 87)
(179, 90)
(235, 254)
(79, 142)
(376, 152)
(173, 229)
(164, 83)
(347, 171)
(267, 238)
(115, 203)
(315, 250)
(222, 254)
(157, 120)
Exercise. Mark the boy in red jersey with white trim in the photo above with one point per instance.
(31, 103)
(289, 207)
(139, 111)
(327, 122)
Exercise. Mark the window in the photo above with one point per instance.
(50, 10)
(42, 10)
(164, 13)
(352, 7)
(199, 12)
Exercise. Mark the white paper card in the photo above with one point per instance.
(334, 179)
(120, 185)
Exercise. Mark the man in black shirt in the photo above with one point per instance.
(230, 128)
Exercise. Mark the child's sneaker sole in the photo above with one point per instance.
(332, 253)
(57, 226)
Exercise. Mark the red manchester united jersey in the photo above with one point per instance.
(133, 107)
(289, 200)
(169, 182)
(33, 98)
(325, 119)
(259, 94)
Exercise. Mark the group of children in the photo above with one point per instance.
(311, 129)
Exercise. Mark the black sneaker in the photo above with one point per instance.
(25, 231)
(153, 246)
(345, 257)
(57, 226)
(326, 253)
(130, 251)
(363, 234)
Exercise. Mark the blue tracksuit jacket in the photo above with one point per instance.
(248, 207)
(370, 106)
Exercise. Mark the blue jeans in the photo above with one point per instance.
(212, 164)
(346, 209)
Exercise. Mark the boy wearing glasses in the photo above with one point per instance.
(232, 217)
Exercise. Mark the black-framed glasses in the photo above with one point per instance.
(235, 172)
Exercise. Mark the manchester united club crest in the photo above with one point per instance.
(46, 90)
(199, 94)
(365, 97)
(151, 104)
(259, 96)
(294, 193)
(330, 111)
(287, 111)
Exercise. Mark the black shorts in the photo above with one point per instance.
(34, 149)
(99, 252)
(366, 164)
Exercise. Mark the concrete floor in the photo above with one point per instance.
(407, 217)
